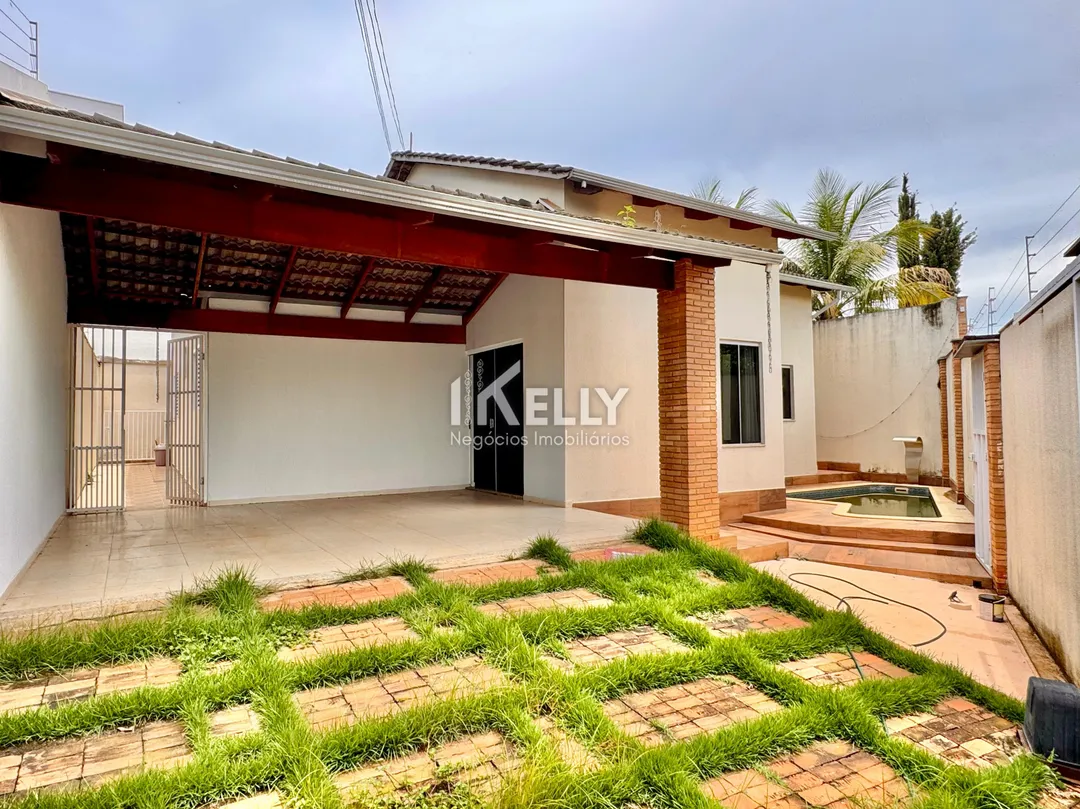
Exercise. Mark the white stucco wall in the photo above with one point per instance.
(611, 342)
(742, 315)
(34, 347)
(876, 377)
(496, 183)
(1041, 431)
(290, 417)
(797, 350)
(531, 310)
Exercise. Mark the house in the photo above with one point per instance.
(329, 327)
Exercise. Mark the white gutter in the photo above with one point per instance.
(163, 148)
(814, 283)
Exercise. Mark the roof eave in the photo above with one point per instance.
(236, 163)
(814, 283)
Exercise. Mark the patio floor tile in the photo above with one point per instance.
(573, 753)
(234, 721)
(577, 599)
(684, 711)
(267, 800)
(390, 693)
(74, 686)
(332, 639)
(605, 648)
(832, 774)
(837, 668)
(480, 761)
(490, 574)
(606, 554)
(339, 595)
(961, 732)
(749, 619)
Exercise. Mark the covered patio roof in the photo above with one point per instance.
(156, 226)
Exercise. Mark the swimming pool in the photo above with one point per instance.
(879, 500)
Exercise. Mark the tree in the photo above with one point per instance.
(908, 255)
(710, 190)
(946, 245)
(864, 250)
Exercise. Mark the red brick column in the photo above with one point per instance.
(958, 401)
(996, 464)
(943, 396)
(686, 322)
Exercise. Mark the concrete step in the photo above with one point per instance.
(868, 544)
(827, 524)
(951, 570)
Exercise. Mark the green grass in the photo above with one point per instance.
(221, 620)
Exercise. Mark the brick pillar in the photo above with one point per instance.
(686, 322)
(996, 464)
(943, 396)
(958, 401)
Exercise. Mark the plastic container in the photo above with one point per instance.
(992, 607)
(159, 455)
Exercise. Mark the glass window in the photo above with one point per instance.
(740, 393)
(786, 375)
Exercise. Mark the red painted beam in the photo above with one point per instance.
(171, 318)
(255, 211)
(494, 284)
(289, 264)
(422, 295)
(361, 277)
(91, 243)
(738, 224)
(198, 269)
(701, 216)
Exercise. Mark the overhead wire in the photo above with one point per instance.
(381, 50)
(361, 17)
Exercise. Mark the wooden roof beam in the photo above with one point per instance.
(198, 269)
(361, 277)
(487, 293)
(289, 264)
(423, 294)
(91, 243)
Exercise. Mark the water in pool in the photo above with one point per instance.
(890, 505)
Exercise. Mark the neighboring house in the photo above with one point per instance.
(586, 334)
(116, 225)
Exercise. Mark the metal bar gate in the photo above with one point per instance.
(184, 476)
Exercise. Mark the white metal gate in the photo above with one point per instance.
(981, 461)
(95, 451)
(184, 475)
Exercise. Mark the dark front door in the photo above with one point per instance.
(498, 420)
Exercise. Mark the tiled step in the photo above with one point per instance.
(820, 477)
(867, 544)
(827, 524)
(951, 570)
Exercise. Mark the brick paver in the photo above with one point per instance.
(234, 721)
(837, 668)
(605, 648)
(59, 689)
(338, 595)
(390, 693)
(267, 800)
(332, 639)
(750, 619)
(490, 574)
(962, 733)
(832, 774)
(606, 554)
(683, 711)
(573, 753)
(578, 599)
(479, 761)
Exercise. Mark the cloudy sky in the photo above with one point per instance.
(976, 99)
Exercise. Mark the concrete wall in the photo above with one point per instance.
(531, 310)
(139, 383)
(34, 347)
(1041, 431)
(291, 417)
(495, 183)
(797, 350)
(876, 377)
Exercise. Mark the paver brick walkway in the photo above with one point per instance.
(480, 761)
(749, 619)
(620, 551)
(832, 774)
(573, 753)
(605, 648)
(59, 689)
(579, 598)
(338, 595)
(390, 693)
(837, 668)
(332, 639)
(267, 800)
(962, 733)
(683, 711)
(480, 575)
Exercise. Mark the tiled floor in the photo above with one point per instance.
(615, 645)
(390, 693)
(961, 733)
(683, 711)
(143, 554)
(341, 595)
(837, 668)
(144, 486)
(577, 599)
(750, 619)
(832, 774)
(991, 652)
(334, 639)
(606, 554)
(73, 686)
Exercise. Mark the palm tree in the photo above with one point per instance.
(710, 190)
(865, 249)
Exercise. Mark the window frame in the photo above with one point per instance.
(761, 394)
(791, 375)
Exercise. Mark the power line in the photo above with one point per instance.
(381, 47)
(1055, 213)
(1056, 233)
(361, 16)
